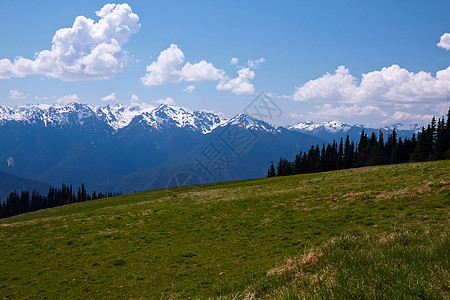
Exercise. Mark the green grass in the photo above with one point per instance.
(377, 232)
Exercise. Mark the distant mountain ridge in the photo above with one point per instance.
(115, 117)
(119, 116)
(335, 130)
(117, 145)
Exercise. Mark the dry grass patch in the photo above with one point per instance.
(353, 196)
(296, 265)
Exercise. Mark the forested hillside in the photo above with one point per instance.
(431, 143)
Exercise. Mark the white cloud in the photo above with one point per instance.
(201, 71)
(110, 97)
(327, 110)
(391, 84)
(44, 98)
(441, 109)
(67, 99)
(135, 98)
(189, 89)
(168, 68)
(15, 94)
(295, 115)
(234, 61)
(405, 117)
(444, 43)
(137, 102)
(167, 100)
(240, 85)
(88, 50)
(337, 86)
(253, 64)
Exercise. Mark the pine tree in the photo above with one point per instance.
(348, 154)
(270, 173)
(340, 156)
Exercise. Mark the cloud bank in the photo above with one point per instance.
(391, 84)
(88, 50)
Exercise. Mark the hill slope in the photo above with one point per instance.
(10, 183)
(376, 232)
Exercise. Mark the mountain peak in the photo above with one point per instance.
(310, 126)
(250, 122)
(400, 126)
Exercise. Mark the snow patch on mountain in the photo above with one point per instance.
(249, 122)
(116, 116)
(400, 126)
(310, 126)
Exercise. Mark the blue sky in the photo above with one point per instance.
(308, 56)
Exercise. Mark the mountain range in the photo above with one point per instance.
(335, 130)
(132, 148)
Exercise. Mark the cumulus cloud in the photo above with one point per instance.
(135, 98)
(67, 99)
(234, 61)
(239, 85)
(88, 50)
(15, 94)
(444, 43)
(201, 71)
(110, 97)
(167, 68)
(167, 100)
(401, 116)
(393, 84)
(327, 87)
(189, 89)
(253, 64)
(327, 110)
(170, 68)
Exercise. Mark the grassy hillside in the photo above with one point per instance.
(373, 232)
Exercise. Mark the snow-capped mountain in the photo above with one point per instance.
(332, 126)
(116, 117)
(119, 116)
(249, 122)
(335, 130)
(400, 126)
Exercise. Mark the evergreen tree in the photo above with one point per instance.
(284, 167)
(348, 154)
(340, 156)
(270, 173)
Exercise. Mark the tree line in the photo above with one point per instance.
(26, 202)
(431, 143)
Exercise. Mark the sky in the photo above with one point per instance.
(367, 62)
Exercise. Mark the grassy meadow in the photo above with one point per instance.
(367, 233)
